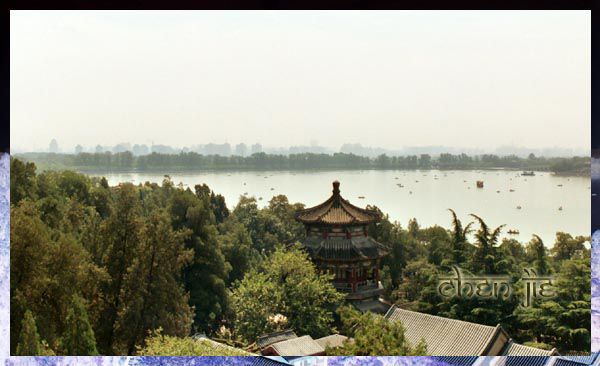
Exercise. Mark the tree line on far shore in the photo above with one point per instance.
(126, 161)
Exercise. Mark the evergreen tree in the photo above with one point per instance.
(538, 252)
(459, 239)
(29, 339)
(485, 256)
(205, 277)
(78, 338)
(123, 231)
(152, 294)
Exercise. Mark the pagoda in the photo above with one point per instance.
(338, 243)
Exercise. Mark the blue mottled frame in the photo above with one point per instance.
(260, 361)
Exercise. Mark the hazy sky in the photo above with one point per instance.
(389, 79)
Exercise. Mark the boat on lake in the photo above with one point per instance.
(528, 173)
(479, 184)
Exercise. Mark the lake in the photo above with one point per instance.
(425, 195)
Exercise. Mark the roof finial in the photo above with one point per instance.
(336, 187)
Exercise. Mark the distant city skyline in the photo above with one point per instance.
(462, 79)
(247, 149)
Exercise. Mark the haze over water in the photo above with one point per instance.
(427, 200)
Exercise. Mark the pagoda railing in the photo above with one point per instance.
(343, 286)
(366, 284)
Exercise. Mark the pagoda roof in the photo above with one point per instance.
(345, 249)
(337, 211)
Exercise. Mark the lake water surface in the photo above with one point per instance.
(425, 195)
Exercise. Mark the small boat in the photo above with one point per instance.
(272, 189)
(497, 191)
(416, 181)
(560, 185)
(511, 190)
(400, 185)
(513, 232)
(361, 197)
(518, 207)
(409, 192)
(260, 198)
(245, 193)
(560, 208)
(395, 177)
(531, 173)
(244, 183)
(479, 184)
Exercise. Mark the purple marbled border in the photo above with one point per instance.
(155, 361)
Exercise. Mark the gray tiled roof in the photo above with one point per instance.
(334, 340)
(357, 247)
(221, 348)
(516, 349)
(268, 339)
(444, 336)
(301, 346)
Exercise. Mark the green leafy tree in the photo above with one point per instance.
(565, 320)
(419, 286)
(373, 335)
(78, 338)
(22, 180)
(236, 244)
(566, 247)
(158, 344)
(286, 283)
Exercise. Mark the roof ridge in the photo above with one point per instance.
(451, 319)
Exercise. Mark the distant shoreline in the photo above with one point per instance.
(126, 162)
(170, 170)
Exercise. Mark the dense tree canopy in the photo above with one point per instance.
(97, 269)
